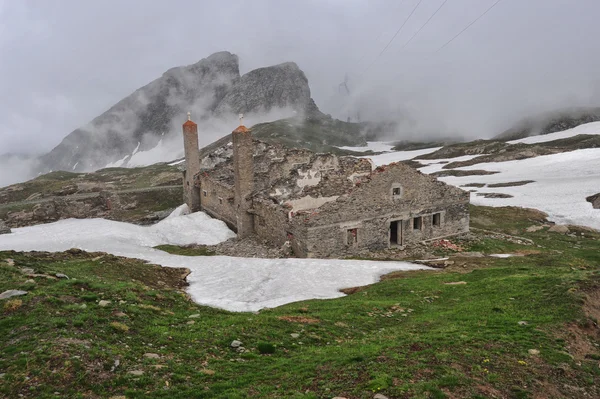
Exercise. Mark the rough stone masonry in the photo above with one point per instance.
(322, 205)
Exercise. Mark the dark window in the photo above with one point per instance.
(417, 223)
(396, 191)
(437, 219)
(204, 192)
(352, 236)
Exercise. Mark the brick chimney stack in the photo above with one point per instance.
(191, 194)
(243, 173)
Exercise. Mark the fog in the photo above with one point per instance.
(64, 63)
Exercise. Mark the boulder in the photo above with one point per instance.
(559, 228)
(594, 200)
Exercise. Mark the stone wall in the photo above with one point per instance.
(270, 222)
(217, 200)
(363, 219)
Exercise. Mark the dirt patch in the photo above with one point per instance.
(459, 173)
(511, 184)
(494, 195)
(594, 200)
(299, 319)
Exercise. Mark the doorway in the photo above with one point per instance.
(396, 237)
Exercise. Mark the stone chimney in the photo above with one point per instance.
(243, 173)
(191, 194)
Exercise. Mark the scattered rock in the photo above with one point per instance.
(295, 335)
(194, 316)
(380, 396)
(190, 322)
(533, 352)
(11, 293)
(11, 262)
(339, 397)
(151, 355)
(207, 372)
(533, 229)
(522, 323)
(136, 372)
(25, 270)
(120, 314)
(30, 281)
(4, 229)
(236, 343)
(115, 365)
(103, 303)
(559, 228)
(593, 199)
(456, 283)
(118, 397)
(60, 275)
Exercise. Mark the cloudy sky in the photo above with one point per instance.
(65, 62)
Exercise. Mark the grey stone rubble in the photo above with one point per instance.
(151, 355)
(236, 343)
(103, 303)
(61, 275)
(4, 229)
(12, 293)
(559, 228)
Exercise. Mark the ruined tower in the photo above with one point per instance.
(191, 193)
(243, 173)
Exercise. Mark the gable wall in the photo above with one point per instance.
(371, 208)
(223, 210)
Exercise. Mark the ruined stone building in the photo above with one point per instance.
(322, 204)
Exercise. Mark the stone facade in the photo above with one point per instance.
(325, 205)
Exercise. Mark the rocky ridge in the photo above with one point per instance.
(209, 88)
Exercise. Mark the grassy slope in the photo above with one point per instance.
(409, 336)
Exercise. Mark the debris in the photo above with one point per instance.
(235, 344)
(447, 244)
(61, 275)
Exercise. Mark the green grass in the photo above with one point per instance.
(406, 337)
(187, 251)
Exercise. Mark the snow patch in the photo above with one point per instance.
(396, 156)
(235, 284)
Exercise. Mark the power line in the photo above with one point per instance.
(424, 25)
(468, 26)
(393, 37)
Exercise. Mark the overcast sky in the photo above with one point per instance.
(65, 62)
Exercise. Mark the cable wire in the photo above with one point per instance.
(393, 37)
(468, 26)
(424, 25)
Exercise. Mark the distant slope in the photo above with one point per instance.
(550, 122)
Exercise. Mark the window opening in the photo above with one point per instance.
(417, 223)
(437, 219)
(352, 236)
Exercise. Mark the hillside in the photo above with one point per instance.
(550, 122)
(518, 327)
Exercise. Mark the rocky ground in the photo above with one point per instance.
(138, 195)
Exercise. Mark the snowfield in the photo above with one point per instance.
(561, 184)
(235, 284)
